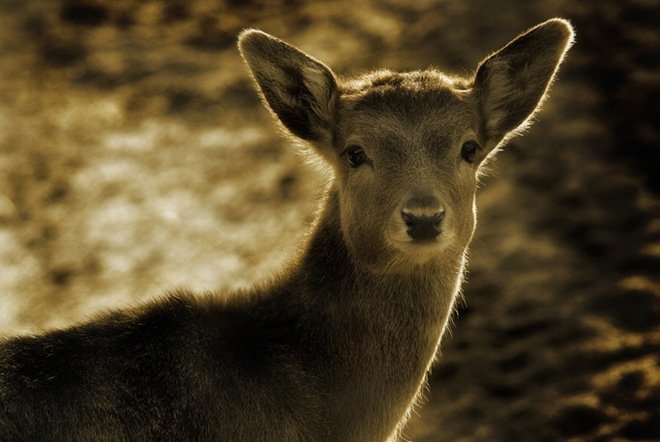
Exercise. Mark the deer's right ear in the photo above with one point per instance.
(301, 91)
(511, 84)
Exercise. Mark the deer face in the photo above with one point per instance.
(406, 148)
(405, 167)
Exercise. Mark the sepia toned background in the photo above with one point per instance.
(135, 158)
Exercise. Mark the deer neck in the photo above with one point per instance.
(380, 331)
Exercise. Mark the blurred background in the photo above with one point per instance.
(135, 157)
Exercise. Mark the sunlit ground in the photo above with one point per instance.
(135, 158)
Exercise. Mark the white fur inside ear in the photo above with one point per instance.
(273, 79)
(316, 81)
(498, 91)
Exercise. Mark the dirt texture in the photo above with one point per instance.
(135, 158)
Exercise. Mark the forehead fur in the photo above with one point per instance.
(403, 90)
(418, 106)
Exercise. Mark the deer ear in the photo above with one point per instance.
(299, 90)
(510, 85)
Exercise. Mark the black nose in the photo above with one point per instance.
(423, 228)
(423, 216)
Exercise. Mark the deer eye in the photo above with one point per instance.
(356, 156)
(469, 151)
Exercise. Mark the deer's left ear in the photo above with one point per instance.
(511, 84)
(300, 90)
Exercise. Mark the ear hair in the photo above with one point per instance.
(511, 84)
(300, 90)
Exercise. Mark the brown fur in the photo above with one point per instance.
(336, 347)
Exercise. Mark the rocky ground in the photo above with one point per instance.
(135, 157)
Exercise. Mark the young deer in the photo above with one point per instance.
(337, 346)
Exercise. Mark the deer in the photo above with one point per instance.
(337, 345)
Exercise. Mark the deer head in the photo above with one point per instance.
(406, 148)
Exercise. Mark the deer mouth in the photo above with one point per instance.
(423, 242)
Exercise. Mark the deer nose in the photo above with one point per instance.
(423, 217)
